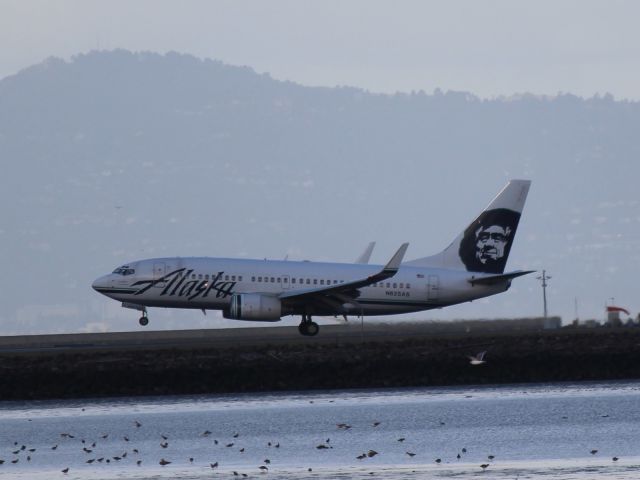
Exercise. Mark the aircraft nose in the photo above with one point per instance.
(99, 283)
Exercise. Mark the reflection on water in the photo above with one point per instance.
(530, 431)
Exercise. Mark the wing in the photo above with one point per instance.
(337, 295)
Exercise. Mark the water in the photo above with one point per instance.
(532, 431)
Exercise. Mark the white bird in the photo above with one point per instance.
(477, 359)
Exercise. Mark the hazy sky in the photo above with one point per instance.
(490, 48)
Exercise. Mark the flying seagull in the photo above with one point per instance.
(477, 359)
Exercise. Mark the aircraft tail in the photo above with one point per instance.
(485, 244)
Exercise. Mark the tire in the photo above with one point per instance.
(312, 329)
(144, 321)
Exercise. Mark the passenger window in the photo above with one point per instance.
(226, 278)
(200, 277)
(259, 279)
(193, 276)
(402, 285)
(233, 278)
(273, 280)
(286, 280)
(321, 282)
(278, 279)
(408, 285)
(253, 279)
(395, 285)
(293, 280)
(388, 285)
(308, 281)
(315, 281)
(239, 278)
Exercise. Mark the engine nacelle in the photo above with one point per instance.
(254, 306)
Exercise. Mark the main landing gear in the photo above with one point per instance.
(308, 327)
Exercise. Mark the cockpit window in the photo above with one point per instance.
(125, 270)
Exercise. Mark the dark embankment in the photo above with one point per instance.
(332, 363)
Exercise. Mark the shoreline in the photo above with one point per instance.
(284, 361)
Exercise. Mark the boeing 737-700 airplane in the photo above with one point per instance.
(471, 267)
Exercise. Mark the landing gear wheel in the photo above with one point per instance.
(307, 327)
(144, 321)
(312, 329)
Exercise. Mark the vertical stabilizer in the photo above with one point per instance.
(485, 244)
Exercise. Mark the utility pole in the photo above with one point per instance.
(544, 277)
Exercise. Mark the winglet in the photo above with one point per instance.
(396, 260)
(366, 255)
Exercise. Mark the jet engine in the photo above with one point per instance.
(254, 306)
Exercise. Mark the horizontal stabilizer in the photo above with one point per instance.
(493, 279)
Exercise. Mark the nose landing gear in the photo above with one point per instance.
(143, 320)
(308, 327)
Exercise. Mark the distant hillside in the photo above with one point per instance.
(117, 155)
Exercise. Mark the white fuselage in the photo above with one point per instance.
(209, 283)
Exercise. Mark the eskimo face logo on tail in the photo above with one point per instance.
(487, 241)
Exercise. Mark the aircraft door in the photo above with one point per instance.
(159, 271)
(433, 288)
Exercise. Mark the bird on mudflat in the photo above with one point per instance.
(164, 462)
(593, 452)
(615, 459)
(484, 465)
(411, 454)
(214, 465)
(66, 470)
